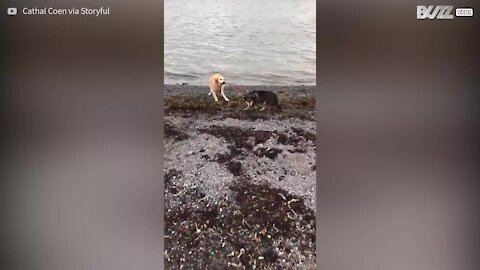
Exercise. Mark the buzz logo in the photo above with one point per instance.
(434, 12)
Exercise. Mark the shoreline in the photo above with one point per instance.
(196, 90)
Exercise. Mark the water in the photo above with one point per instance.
(250, 42)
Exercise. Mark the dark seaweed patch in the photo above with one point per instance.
(267, 206)
(271, 153)
(287, 140)
(190, 106)
(239, 137)
(200, 234)
(235, 168)
(297, 150)
(171, 174)
(305, 134)
(233, 152)
(171, 132)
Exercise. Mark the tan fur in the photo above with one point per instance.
(217, 86)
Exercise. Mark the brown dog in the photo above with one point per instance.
(217, 85)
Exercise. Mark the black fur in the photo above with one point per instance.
(264, 98)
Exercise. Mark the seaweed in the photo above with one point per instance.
(257, 231)
(191, 106)
(171, 132)
(271, 153)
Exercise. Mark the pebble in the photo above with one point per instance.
(218, 187)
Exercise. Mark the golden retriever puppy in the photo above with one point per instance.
(217, 84)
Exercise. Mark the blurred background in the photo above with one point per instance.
(83, 161)
(397, 123)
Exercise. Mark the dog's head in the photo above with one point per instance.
(250, 98)
(220, 80)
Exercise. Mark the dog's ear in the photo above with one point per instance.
(216, 80)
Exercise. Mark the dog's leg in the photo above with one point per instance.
(263, 108)
(223, 93)
(212, 92)
(215, 96)
(248, 106)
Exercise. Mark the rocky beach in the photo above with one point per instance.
(239, 185)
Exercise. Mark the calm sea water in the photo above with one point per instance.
(251, 42)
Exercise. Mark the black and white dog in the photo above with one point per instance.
(265, 98)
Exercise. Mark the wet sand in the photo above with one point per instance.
(239, 185)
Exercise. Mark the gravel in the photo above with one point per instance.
(239, 193)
